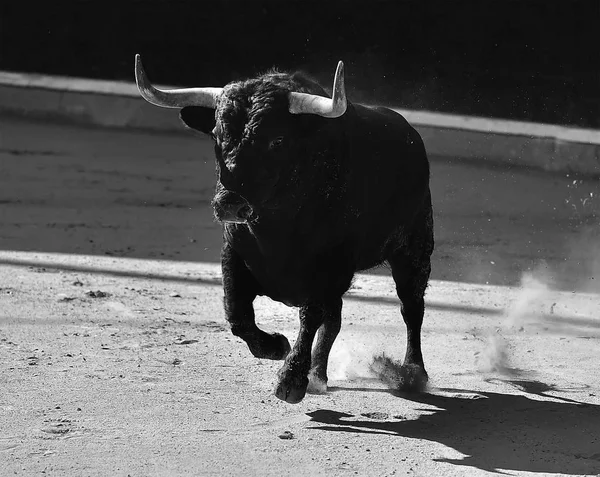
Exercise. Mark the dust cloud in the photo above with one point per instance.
(539, 297)
(533, 298)
(349, 361)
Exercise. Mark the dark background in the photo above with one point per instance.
(525, 60)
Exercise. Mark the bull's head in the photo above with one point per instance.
(260, 129)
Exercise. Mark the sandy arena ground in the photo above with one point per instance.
(116, 359)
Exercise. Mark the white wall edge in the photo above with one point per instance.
(417, 118)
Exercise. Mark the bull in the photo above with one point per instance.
(311, 189)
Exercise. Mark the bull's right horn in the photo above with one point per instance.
(303, 103)
(173, 98)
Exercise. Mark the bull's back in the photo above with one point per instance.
(389, 180)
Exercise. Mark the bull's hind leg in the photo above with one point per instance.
(410, 287)
(241, 288)
(411, 268)
(332, 323)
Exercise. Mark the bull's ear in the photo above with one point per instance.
(198, 118)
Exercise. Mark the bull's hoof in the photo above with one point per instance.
(271, 346)
(291, 391)
(316, 384)
(413, 378)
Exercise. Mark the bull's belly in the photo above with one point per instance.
(285, 290)
(297, 286)
(298, 280)
(292, 283)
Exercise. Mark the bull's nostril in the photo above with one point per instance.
(244, 212)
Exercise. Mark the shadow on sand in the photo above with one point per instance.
(494, 431)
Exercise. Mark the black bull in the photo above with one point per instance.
(306, 201)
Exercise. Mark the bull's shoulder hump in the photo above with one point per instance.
(379, 113)
(382, 119)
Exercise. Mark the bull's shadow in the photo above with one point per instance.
(495, 431)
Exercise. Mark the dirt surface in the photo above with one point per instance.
(116, 359)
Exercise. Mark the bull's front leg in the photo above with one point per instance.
(332, 323)
(293, 375)
(241, 288)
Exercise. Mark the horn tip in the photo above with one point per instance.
(140, 74)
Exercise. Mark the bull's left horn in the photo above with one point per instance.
(302, 103)
(173, 98)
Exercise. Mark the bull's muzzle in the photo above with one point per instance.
(233, 208)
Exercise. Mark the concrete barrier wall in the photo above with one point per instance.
(118, 104)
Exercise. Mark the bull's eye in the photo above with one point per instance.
(275, 143)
